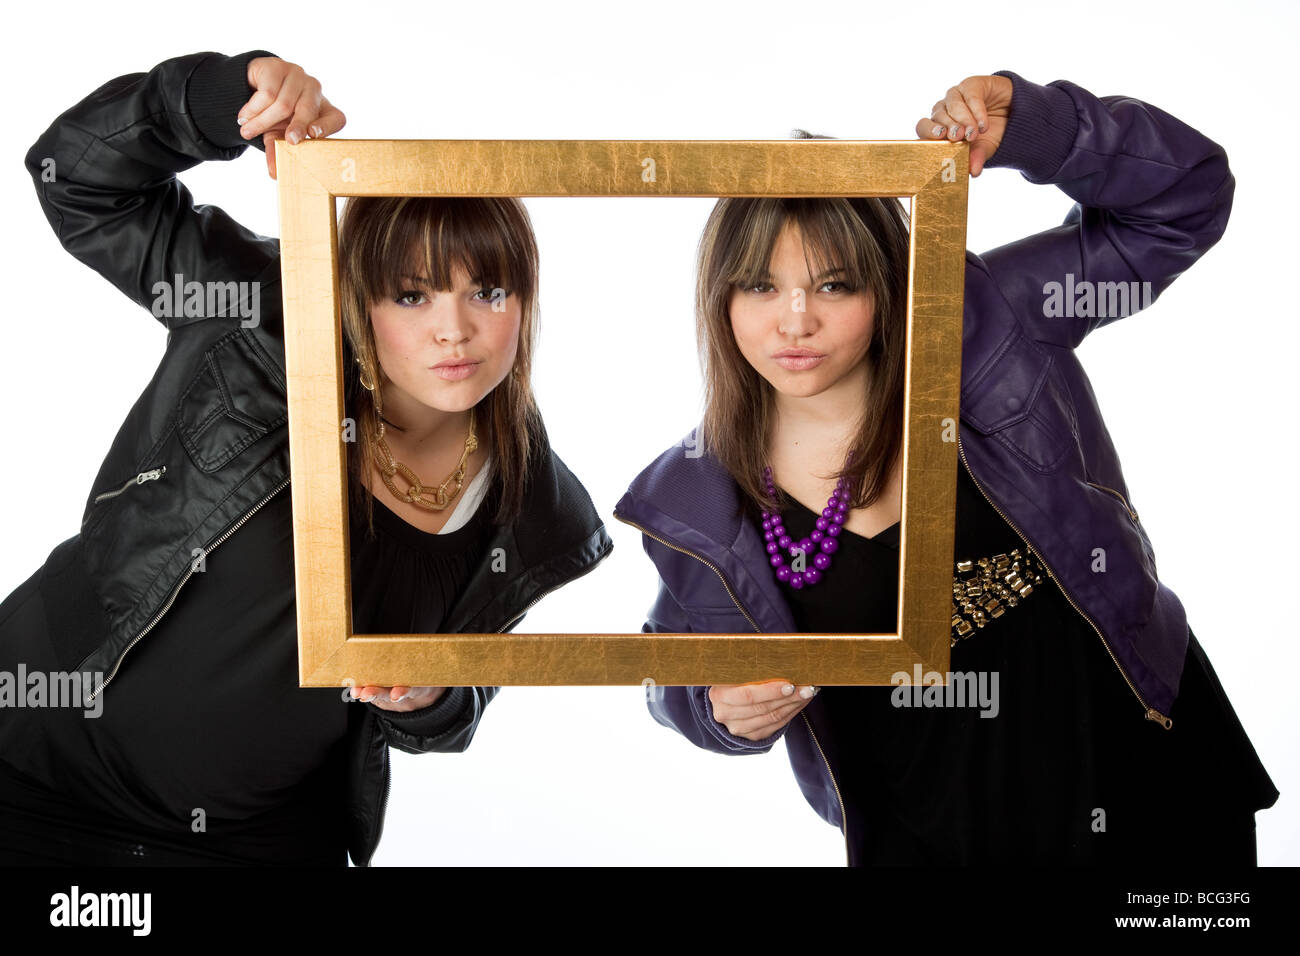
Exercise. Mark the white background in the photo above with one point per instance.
(1198, 391)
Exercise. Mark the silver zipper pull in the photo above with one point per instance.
(139, 479)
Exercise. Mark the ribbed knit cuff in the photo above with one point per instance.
(217, 88)
(434, 719)
(1041, 129)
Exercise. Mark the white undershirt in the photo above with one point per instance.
(474, 493)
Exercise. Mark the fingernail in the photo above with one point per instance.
(984, 127)
(808, 692)
(294, 137)
(970, 131)
(316, 130)
(239, 120)
(938, 131)
(787, 689)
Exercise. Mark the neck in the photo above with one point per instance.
(824, 424)
(423, 429)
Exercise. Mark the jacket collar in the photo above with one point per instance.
(557, 537)
(688, 500)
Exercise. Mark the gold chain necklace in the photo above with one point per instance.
(415, 494)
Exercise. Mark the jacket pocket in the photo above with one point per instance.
(1133, 515)
(1020, 402)
(236, 397)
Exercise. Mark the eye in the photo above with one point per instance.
(758, 288)
(835, 287)
(486, 293)
(409, 295)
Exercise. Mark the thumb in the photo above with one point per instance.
(268, 141)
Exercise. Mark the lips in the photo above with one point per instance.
(456, 369)
(798, 360)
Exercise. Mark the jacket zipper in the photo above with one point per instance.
(585, 571)
(388, 767)
(1151, 712)
(139, 479)
(844, 817)
(1131, 513)
(383, 804)
(176, 590)
(669, 544)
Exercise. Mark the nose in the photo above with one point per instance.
(797, 318)
(450, 320)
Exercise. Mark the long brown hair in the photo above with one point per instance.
(491, 239)
(868, 238)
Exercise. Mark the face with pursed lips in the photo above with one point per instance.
(804, 333)
(445, 350)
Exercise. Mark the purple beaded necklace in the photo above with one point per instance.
(823, 538)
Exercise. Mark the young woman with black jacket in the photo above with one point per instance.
(193, 742)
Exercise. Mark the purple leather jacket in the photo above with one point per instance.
(1152, 194)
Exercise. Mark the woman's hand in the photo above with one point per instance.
(976, 109)
(398, 699)
(757, 711)
(287, 104)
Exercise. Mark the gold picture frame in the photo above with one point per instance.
(313, 173)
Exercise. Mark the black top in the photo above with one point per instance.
(1068, 770)
(205, 713)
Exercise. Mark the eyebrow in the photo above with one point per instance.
(474, 280)
(838, 270)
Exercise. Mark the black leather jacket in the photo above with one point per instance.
(206, 444)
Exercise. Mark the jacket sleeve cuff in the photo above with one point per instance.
(217, 88)
(727, 737)
(430, 721)
(1041, 129)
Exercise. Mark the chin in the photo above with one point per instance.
(794, 386)
(450, 401)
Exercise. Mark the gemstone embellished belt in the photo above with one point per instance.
(982, 589)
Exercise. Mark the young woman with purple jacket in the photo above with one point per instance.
(1106, 736)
